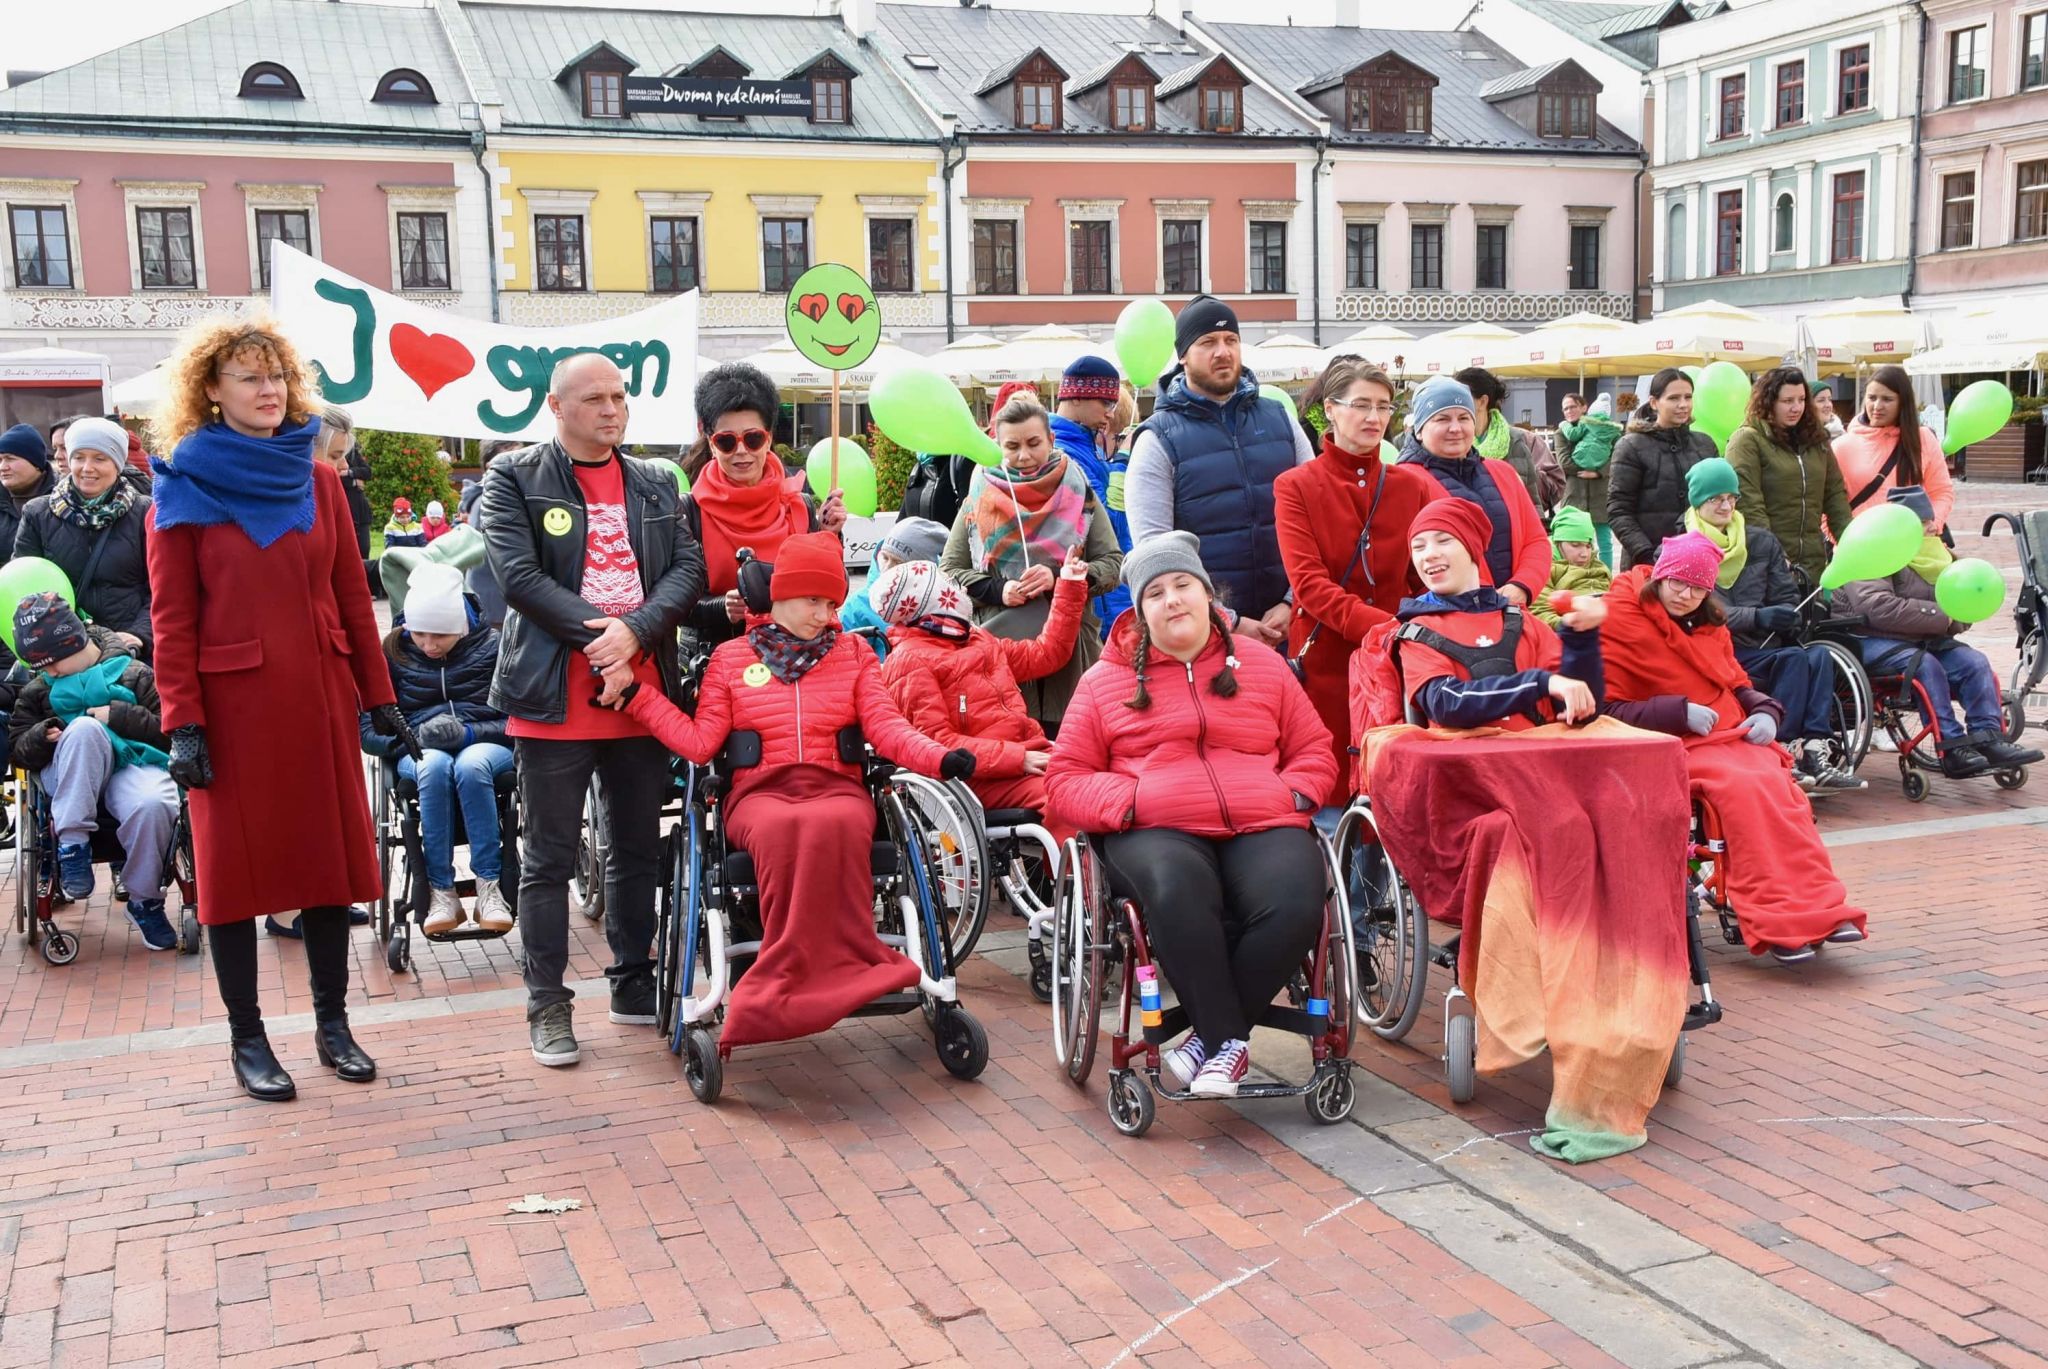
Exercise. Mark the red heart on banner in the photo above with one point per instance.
(433, 360)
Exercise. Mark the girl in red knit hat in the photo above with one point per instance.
(801, 812)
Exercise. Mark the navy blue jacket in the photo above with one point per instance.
(458, 683)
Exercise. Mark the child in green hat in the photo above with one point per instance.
(1573, 566)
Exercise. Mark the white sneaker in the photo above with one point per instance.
(1178, 1064)
(492, 914)
(1222, 1072)
(444, 912)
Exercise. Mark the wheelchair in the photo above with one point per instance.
(403, 892)
(37, 895)
(593, 855)
(1099, 944)
(708, 925)
(2030, 620)
(1902, 710)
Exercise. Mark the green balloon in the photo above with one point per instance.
(832, 317)
(1144, 340)
(1970, 590)
(1877, 546)
(682, 476)
(856, 475)
(23, 577)
(1693, 374)
(1283, 399)
(1979, 411)
(916, 407)
(1720, 399)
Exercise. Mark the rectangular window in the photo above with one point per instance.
(42, 247)
(1959, 210)
(1219, 109)
(1181, 256)
(2034, 51)
(1791, 94)
(423, 252)
(292, 227)
(672, 248)
(1131, 107)
(889, 256)
(1852, 79)
(1580, 111)
(164, 237)
(1848, 224)
(1728, 233)
(1492, 273)
(785, 253)
(1426, 256)
(2030, 202)
(995, 256)
(1585, 266)
(1035, 103)
(1357, 107)
(1734, 105)
(828, 100)
(1361, 256)
(604, 95)
(1550, 116)
(558, 251)
(1269, 259)
(1088, 240)
(1415, 109)
(1966, 65)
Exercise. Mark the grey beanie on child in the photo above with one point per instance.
(916, 539)
(1162, 555)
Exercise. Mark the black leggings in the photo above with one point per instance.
(1229, 921)
(234, 968)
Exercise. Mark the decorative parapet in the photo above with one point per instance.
(128, 313)
(1375, 306)
(716, 309)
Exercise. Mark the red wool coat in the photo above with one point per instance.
(1194, 761)
(1529, 542)
(274, 651)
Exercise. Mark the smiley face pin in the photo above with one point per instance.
(755, 675)
(832, 317)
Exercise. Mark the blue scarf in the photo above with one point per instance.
(263, 485)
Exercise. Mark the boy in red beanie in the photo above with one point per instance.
(794, 680)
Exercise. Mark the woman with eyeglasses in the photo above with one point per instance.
(740, 494)
(1343, 523)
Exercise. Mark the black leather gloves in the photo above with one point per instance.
(190, 766)
(958, 765)
(387, 721)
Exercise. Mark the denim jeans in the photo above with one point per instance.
(1800, 677)
(1948, 671)
(468, 778)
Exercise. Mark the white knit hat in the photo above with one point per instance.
(434, 602)
(919, 594)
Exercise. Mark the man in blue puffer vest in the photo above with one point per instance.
(1088, 392)
(1205, 463)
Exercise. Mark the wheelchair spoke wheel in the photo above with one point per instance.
(963, 1045)
(1852, 712)
(948, 818)
(593, 855)
(703, 1071)
(25, 843)
(1131, 1107)
(1077, 958)
(1340, 975)
(2026, 677)
(668, 917)
(1389, 933)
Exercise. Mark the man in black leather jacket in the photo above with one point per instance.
(598, 572)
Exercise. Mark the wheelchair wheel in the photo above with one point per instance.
(1332, 1096)
(2016, 778)
(962, 1043)
(398, 951)
(1461, 1056)
(26, 876)
(1078, 932)
(1851, 712)
(1912, 781)
(1131, 1108)
(188, 933)
(384, 821)
(668, 909)
(593, 855)
(1389, 932)
(1340, 976)
(59, 946)
(1675, 1071)
(703, 1071)
(956, 855)
(2026, 676)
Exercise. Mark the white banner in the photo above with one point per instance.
(402, 367)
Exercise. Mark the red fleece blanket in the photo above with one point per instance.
(809, 832)
(1560, 852)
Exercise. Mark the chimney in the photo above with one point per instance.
(1173, 12)
(1350, 14)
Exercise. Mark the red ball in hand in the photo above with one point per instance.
(1561, 602)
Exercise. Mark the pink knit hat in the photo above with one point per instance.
(1688, 558)
(919, 594)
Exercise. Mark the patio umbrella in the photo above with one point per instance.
(958, 359)
(2001, 338)
(138, 394)
(1040, 356)
(1380, 344)
(792, 371)
(1284, 359)
(1470, 344)
(1565, 348)
(1697, 334)
(1861, 332)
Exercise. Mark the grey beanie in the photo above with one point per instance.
(98, 435)
(915, 539)
(1161, 555)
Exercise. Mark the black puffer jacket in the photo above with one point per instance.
(10, 514)
(118, 596)
(1646, 499)
(29, 717)
(458, 683)
(1766, 579)
(542, 573)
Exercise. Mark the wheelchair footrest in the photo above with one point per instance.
(1699, 1015)
(468, 931)
(888, 1005)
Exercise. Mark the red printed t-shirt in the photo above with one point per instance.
(611, 585)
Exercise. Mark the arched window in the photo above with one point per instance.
(269, 81)
(1675, 245)
(404, 86)
(1781, 222)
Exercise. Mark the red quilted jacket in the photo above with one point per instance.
(799, 724)
(965, 693)
(1194, 761)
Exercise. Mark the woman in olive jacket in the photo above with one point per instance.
(1790, 479)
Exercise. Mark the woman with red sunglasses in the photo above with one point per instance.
(740, 495)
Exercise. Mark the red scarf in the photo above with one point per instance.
(1645, 653)
(757, 516)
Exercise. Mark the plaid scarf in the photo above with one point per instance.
(1015, 523)
(789, 657)
(69, 504)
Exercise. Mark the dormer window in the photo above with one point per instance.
(604, 95)
(269, 81)
(404, 87)
(831, 82)
(1130, 107)
(1386, 95)
(828, 100)
(1038, 105)
(1220, 108)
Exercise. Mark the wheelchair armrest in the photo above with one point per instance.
(853, 745)
(1845, 622)
(742, 749)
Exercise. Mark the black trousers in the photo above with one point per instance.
(234, 968)
(553, 775)
(1229, 921)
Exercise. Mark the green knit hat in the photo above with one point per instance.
(1571, 525)
(1711, 477)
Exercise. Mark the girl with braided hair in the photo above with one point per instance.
(1201, 759)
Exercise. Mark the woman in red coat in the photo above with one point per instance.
(800, 811)
(957, 683)
(1441, 444)
(266, 656)
(1201, 758)
(1343, 522)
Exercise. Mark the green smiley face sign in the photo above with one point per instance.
(833, 318)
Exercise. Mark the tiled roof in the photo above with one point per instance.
(1464, 63)
(193, 73)
(525, 45)
(963, 44)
